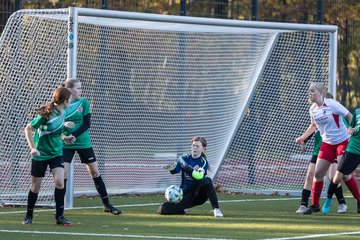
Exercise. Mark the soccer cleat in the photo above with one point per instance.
(111, 209)
(217, 213)
(358, 207)
(27, 220)
(312, 209)
(342, 208)
(63, 221)
(302, 209)
(327, 205)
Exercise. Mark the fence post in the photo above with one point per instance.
(17, 5)
(104, 4)
(254, 10)
(319, 11)
(182, 7)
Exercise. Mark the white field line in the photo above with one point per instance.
(170, 237)
(110, 235)
(315, 236)
(157, 204)
(154, 204)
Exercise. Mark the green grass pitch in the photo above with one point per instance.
(245, 217)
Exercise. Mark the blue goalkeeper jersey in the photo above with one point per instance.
(188, 183)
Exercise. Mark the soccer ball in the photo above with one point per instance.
(173, 194)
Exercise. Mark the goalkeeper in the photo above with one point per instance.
(197, 188)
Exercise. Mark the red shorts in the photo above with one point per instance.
(330, 152)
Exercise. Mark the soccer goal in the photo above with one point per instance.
(155, 81)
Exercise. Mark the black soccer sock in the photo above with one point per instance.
(59, 202)
(32, 197)
(331, 189)
(100, 187)
(65, 180)
(339, 195)
(305, 195)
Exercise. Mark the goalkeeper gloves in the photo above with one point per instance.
(198, 175)
(170, 167)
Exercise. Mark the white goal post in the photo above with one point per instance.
(154, 81)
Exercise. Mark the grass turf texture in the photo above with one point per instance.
(245, 217)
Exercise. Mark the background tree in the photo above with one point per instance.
(7, 7)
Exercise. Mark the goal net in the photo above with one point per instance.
(152, 85)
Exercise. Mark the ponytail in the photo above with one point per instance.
(60, 96)
(47, 109)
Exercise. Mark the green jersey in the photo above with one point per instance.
(354, 143)
(76, 111)
(47, 135)
(317, 142)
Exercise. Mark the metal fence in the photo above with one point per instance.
(343, 13)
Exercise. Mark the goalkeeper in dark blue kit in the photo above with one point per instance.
(197, 188)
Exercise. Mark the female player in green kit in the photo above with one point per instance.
(350, 161)
(45, 137)
(79, 113)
